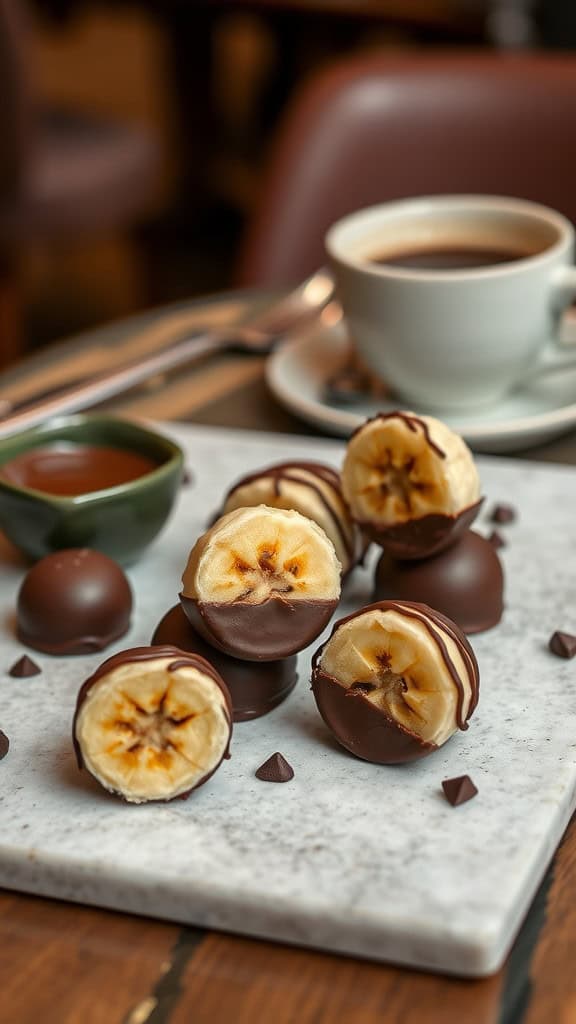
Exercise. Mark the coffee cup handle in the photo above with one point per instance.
(560, 353)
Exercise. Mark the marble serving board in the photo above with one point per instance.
(348, 856)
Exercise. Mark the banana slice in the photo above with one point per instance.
(395, 681)
(262, 583)
(310, 488)
(152, 723)
(411, 483)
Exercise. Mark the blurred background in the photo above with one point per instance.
(137, 130)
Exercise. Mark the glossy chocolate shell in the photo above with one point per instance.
(255, 687)
(465, 582)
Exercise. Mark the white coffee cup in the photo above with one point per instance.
(458, 338)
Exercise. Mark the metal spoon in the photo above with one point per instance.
(259, 335)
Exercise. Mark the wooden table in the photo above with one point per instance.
(67, 964)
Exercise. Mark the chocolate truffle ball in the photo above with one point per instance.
(464, 582)
(74, 601)
(256, 687)
(395, 681)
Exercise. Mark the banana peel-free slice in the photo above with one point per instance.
(411, 483)
(262, 583)
(395, 681)
(152, 723)
(311, 488)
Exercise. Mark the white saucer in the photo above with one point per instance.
(297, 373)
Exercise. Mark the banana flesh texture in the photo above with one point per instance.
(147, 733)
(400, 668)
(311, 495)
(393, 471)
(252, 554)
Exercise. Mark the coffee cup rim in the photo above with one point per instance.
(448, 201)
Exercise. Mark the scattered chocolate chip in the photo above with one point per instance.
(275, 769)
(503, 514)
(4, 744)
(459, 790)
(562, 644)
(24, 667)
(187, 477)
(497, 540)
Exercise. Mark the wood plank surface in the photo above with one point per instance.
(246, 981)
(62, 964)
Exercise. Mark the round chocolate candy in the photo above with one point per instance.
(256, 687)
(261, 583)
(311, 488)
(152, 723)
(74, 601)
(411, 483)
(394, 681)
(464, 582)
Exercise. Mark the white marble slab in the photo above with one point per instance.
(348, 856)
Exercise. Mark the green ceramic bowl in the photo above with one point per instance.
(120, 520)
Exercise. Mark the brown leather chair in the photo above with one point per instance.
(378, 127)
(62, 172)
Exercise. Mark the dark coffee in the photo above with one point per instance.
(449, 257)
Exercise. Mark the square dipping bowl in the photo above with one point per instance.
(120, 519)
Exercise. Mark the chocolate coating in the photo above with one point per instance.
(74, 601)
(269, 631)
(368, 731)
(363, 729)
(424, 537)
(255, 687)
(144, 654)
(464, 582)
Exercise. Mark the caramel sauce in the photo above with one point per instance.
(67, 469)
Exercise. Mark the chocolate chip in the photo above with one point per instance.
(459, 790)
(503, 514)
(24, 667)
(497, 540)
(4, 744)
(275, 769)
(562, 644)
(187, 477)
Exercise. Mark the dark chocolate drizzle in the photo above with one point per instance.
(429, 618)
(411, 421)
(282, 472)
